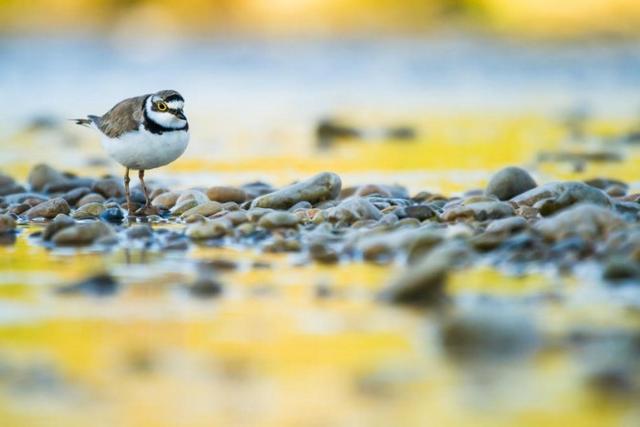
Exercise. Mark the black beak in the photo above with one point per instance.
(180, 114)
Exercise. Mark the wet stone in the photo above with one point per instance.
(88, 211)
(90, 198)
(212, 229)
(43, 174)
(184, 206)
(510, 182)
(48, 209)
(324, 186)
(205, 209)
(60, 222)
(110, 188)
(278, 219)
(224, 194)
(165, 200)
(139, 231)
(82, 234)
(113, 215)
(419, 212)
(481, 211)
(7, 224)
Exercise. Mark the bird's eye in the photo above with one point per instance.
(162, 106)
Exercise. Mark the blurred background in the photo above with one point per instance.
(434, 95)
(262, 77)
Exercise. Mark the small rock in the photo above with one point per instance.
(508, 225)
(206, 209)
(67, 184)
(584, 220)
(9, 186)
(324, 186)
(48, 209)
(510, 182)
(206, 288)
(419, 212)
(278, 219)
(60, 222)
(196, 195)
(166, 200)
(323, 254)
(112, 215)
(423, 283)
(139, 231)
(621, 270)
(481, 211)
(7, 224)
(91, 198)
(89, 211)
(73, 196)
(182, 207)
(354, 209)
(101, 285)
(42, 175)
(109, 188)
(559, 195)
(226, 194)
(82, 234)
(208, 230)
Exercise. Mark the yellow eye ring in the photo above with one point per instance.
(161, 106)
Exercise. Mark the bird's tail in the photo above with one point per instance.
(89, 121)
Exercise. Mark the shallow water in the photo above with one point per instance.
(291, 343)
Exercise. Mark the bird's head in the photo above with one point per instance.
(166, 109)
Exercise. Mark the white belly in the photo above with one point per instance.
(142, 150)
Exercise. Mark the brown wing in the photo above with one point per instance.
(124, 117)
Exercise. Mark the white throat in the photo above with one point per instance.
(164, 119)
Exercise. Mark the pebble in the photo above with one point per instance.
(206, 209)
(82, 234)
(109, 187)
(60, 222)
(278, 219)
(588, 221)
(419, 212)
(7, 223)
(112, 215)
(480, 211)
(423, 283)
(211, 229)
(139, 231)
(354, 209)
(88, 211)
(48, 209)
(226, 194)
(555, 196)
(510, 182)
(41, 175)
(165, 200)
(507, 225)
(91, 198)
(324, 186)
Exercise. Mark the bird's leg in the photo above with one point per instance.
(144, 189)
(127, 193)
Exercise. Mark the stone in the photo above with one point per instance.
(324, 186)
(7, 223)
(82, 234)
(559, 195)
(354, 209)
(212, 229)
(510, 182)
(423, 284)
(480, 211)
(206, 209)
(9, 186)
(73, 196)
(67, 184)
(88, 211)
(109, 187)
(113, 215)
(419, 212)
(91, 198)
(166, 200)
(278, 219)
(60, 222)
(43, 174)
(585, 220)
(184, 206)
(196, 195)
(139, 231)
(508, 225)
(226, 194)
(621, 269)
(48, 209)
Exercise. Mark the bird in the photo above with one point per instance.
(141, 133)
